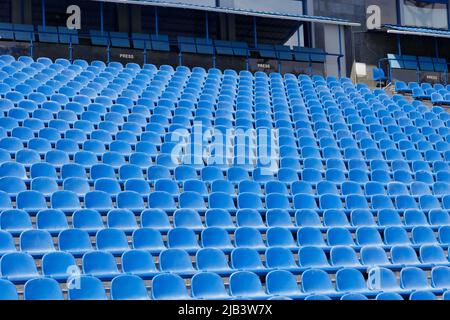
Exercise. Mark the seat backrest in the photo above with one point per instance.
(169, 287)
(42, 289)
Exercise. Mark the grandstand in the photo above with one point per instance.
(212, 150)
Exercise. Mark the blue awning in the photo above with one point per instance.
(248, 12)
(417, 31)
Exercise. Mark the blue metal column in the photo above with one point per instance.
(145, 52)
(304, 12)
(43, 14)
(70, 49)
(305, 7)
(207, 25)
(255, 32)
(102, 29)
(340, 51)
(448, 13)
(399, 22)
(399, 12)
(156, 21)
(101, 17)
(436, 47)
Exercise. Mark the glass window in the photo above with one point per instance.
(430, 14)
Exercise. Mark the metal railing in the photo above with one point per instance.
(171, 43)
(417, 70)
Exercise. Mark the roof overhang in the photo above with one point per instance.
(415, 31)
(246, 12)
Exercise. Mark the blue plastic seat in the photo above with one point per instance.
(335, 218)
(100, 264)
(413, 278)
(182, 238)
(361, 217)
(278, 218)
(108, 185)
(282, 283)
(214, 237)
(13, 169)
(65, 200)
(339, 236)
(167, 185)
(88, 220)
(221, 200)
(90, 288)
(422, 295)
(128, 287)
(245, 284)
(6, 242)
(15, 221)
(18, 267)
(8, 290)
(161, 199)
(131, 200)
(404, 255)
(72, 170)
(312, 257)
(396, 235)
(301, 187)
(42, 289)
(195, 186)
(249, 200)
(155, 218)
(316, 281)
(54, 221)
(139, 186)
(187, 218)
(389, 296)
(112, 240)
(381, 202)
(330, 201)
(249, 186)
(218, 218)
(305, 201)
(98, 171)
(212, 259)
(344, 256)
(98, 200)
(175, 260)
(74, 241)
(350, 280)
(382, 279)
(248, 237)
(167, 286)
(246, 259)
(148, 239)
(208, 285)
(138, 262)
(423, 235)
(191, 199)
(210, 174)
(59, 265)
(310, 236)
(36, 242)
(249, 218)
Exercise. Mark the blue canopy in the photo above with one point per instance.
(418, 31)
